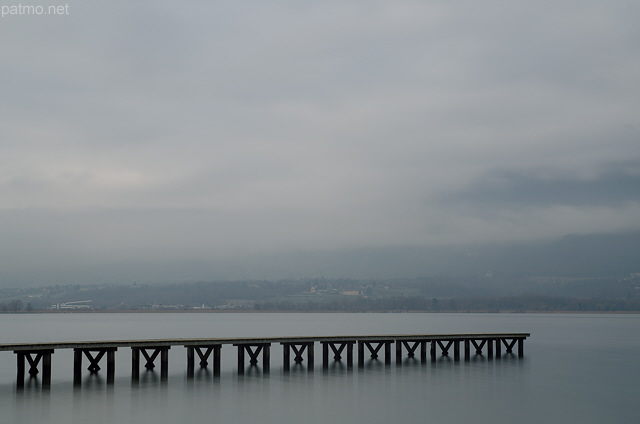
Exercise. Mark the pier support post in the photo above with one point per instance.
(286, 356)
(254, 351)
(20, 376)
(111, 366)
(509, 344)
(478, 345)
(520, 348)
(240, 360)
(163, 351)
(46, 370)
(204, 352)
(325, 355)
(298, 350)
(94, 363)
(190, 362)
(40, 355)
(266, 358)
(444, 348)
(310, 356)
(374, 346)
(77, 367)
(337, 348)
(411, 346)
(164, 364)
(135, 364)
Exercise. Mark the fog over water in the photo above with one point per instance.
(577, 368)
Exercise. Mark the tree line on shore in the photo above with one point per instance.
(435, 294)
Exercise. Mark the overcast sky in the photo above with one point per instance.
(152, 131)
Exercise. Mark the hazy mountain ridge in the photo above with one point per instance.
(585, 256)
(576, 272)
(594, 255)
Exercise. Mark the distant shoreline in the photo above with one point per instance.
(247, 311)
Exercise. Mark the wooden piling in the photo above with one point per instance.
(264, 348)
(337, 347)
(190, 362)
(266, 358)
(162, 351)
(325, 355)
(411, 349)
(77, 367)
(20, 376)
(46, 369)
(111, 366)
(286, 356)
(41, 355)
(374, 346)
(240, 359)
(520, 347)
(298, 350)
(135, 364)
(94, 361)
(310, 356)
(164, 363)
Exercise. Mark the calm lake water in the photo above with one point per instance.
(576, 369)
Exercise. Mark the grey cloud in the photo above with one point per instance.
(616, 184)
(191, 130)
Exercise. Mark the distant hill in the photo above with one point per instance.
(596, 272)
(593, 255)
(584, 256)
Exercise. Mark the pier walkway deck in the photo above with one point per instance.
(39, 354)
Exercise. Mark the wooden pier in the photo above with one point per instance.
(39, 355)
